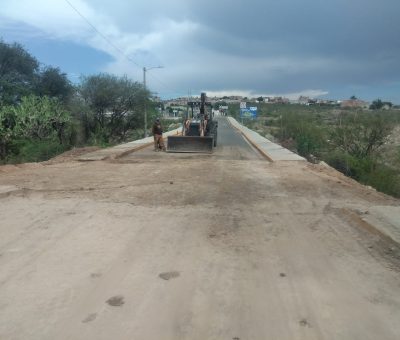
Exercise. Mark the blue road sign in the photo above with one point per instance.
(250, 112)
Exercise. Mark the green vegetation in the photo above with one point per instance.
(42, 114)
(360, 143)
(379, 104)
(116, 104)
(34, 121)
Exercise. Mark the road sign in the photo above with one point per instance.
(243, 105)
(250, 112)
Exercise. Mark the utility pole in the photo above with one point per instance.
(145, 104)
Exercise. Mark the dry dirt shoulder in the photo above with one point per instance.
(210, 249)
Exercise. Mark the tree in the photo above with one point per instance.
(220, 103)
(260, 99)
(353, 97)
(17, 72)
(116, 102)
(53, 83)
(378, 104)
(83, 118)
(361, 134)
(7, 132)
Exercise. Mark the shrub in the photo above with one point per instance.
(25, 150)
(361, 134)
(306, 131)
(30, 125)
(366, 170)
(384, 179)
(350, 165)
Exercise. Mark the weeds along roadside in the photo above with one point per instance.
(362, 144)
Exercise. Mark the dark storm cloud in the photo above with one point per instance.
(265, 46)
(282, 45)
(350, 27)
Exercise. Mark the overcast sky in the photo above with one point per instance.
(327, 48)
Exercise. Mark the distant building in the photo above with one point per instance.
(276, 100)
(327, 102)
(354, 103)
(303, 100)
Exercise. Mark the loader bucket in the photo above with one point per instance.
(190, 144)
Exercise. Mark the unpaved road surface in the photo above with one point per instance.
(182, 246)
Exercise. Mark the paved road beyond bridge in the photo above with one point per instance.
(186, 246)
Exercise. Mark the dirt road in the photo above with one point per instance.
(178, 246)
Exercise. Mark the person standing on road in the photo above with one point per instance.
(158, 138)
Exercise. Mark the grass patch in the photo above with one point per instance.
(35, 151)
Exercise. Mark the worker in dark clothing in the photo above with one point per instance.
(158, 138)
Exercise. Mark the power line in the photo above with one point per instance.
(160, 81)
(115, 46)
(102, 35)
